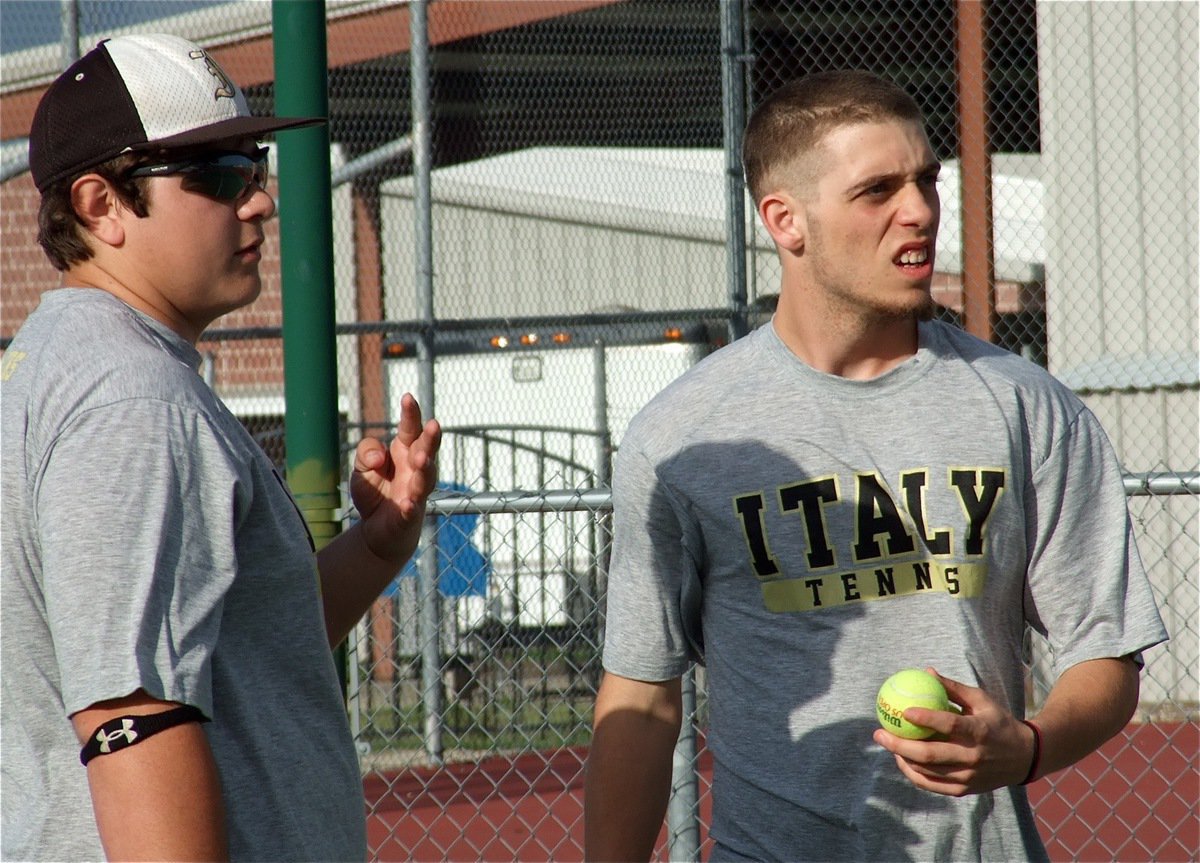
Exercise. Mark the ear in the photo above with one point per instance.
(784, 218)
(98, 207)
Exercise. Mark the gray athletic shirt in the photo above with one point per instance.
(149, 543)
(804, 536)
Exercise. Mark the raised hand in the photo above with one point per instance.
(390, 484)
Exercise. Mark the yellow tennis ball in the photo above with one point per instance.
(909, 688)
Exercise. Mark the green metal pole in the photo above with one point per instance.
(306, 252)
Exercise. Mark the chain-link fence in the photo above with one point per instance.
(590, 242)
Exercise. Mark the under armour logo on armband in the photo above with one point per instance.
(105, 738)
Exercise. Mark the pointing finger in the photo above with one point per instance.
(409, 427)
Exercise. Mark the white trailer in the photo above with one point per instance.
(535, 409)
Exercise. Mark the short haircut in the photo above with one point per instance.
(61, 233)
(792, 121)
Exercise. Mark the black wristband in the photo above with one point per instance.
(1037, 753)
(127, 730)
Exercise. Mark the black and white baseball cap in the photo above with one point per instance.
(147, 91)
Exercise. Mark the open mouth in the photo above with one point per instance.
(912, 257)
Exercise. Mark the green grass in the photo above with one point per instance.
(503, 724)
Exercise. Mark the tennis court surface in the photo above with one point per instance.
(1137, 798)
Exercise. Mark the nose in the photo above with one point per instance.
(920, 206)
(259, 204)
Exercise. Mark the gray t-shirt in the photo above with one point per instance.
(805, 536)
(148, 542)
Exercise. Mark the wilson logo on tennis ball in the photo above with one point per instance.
(888, 716)
(904, 689)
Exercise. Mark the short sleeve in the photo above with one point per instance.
(652, 625)
(135, 508)
(1087, 592)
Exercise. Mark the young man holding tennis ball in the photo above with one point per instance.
(850, 490)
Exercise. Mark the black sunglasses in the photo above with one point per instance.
(224, 176)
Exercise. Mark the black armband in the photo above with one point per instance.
(127, 730)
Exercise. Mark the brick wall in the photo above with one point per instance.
(24, 270)
(251, 367)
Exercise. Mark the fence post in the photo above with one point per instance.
(427, 567)
(306, 270)
(733, 98)
(69, 19)
(978, 267)
(683, 809)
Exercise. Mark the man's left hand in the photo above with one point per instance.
(390, 484)
(983, 748)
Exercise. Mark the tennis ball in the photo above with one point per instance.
(909, 688)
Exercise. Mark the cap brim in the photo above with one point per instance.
(235, 127)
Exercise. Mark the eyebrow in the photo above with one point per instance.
(875, 179)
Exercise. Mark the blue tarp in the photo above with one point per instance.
(462, 568)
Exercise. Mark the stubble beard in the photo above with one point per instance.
(928, 308)
(847, 301)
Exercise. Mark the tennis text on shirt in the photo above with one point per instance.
(892, 550)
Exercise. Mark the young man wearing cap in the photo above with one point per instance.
(165, 618)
